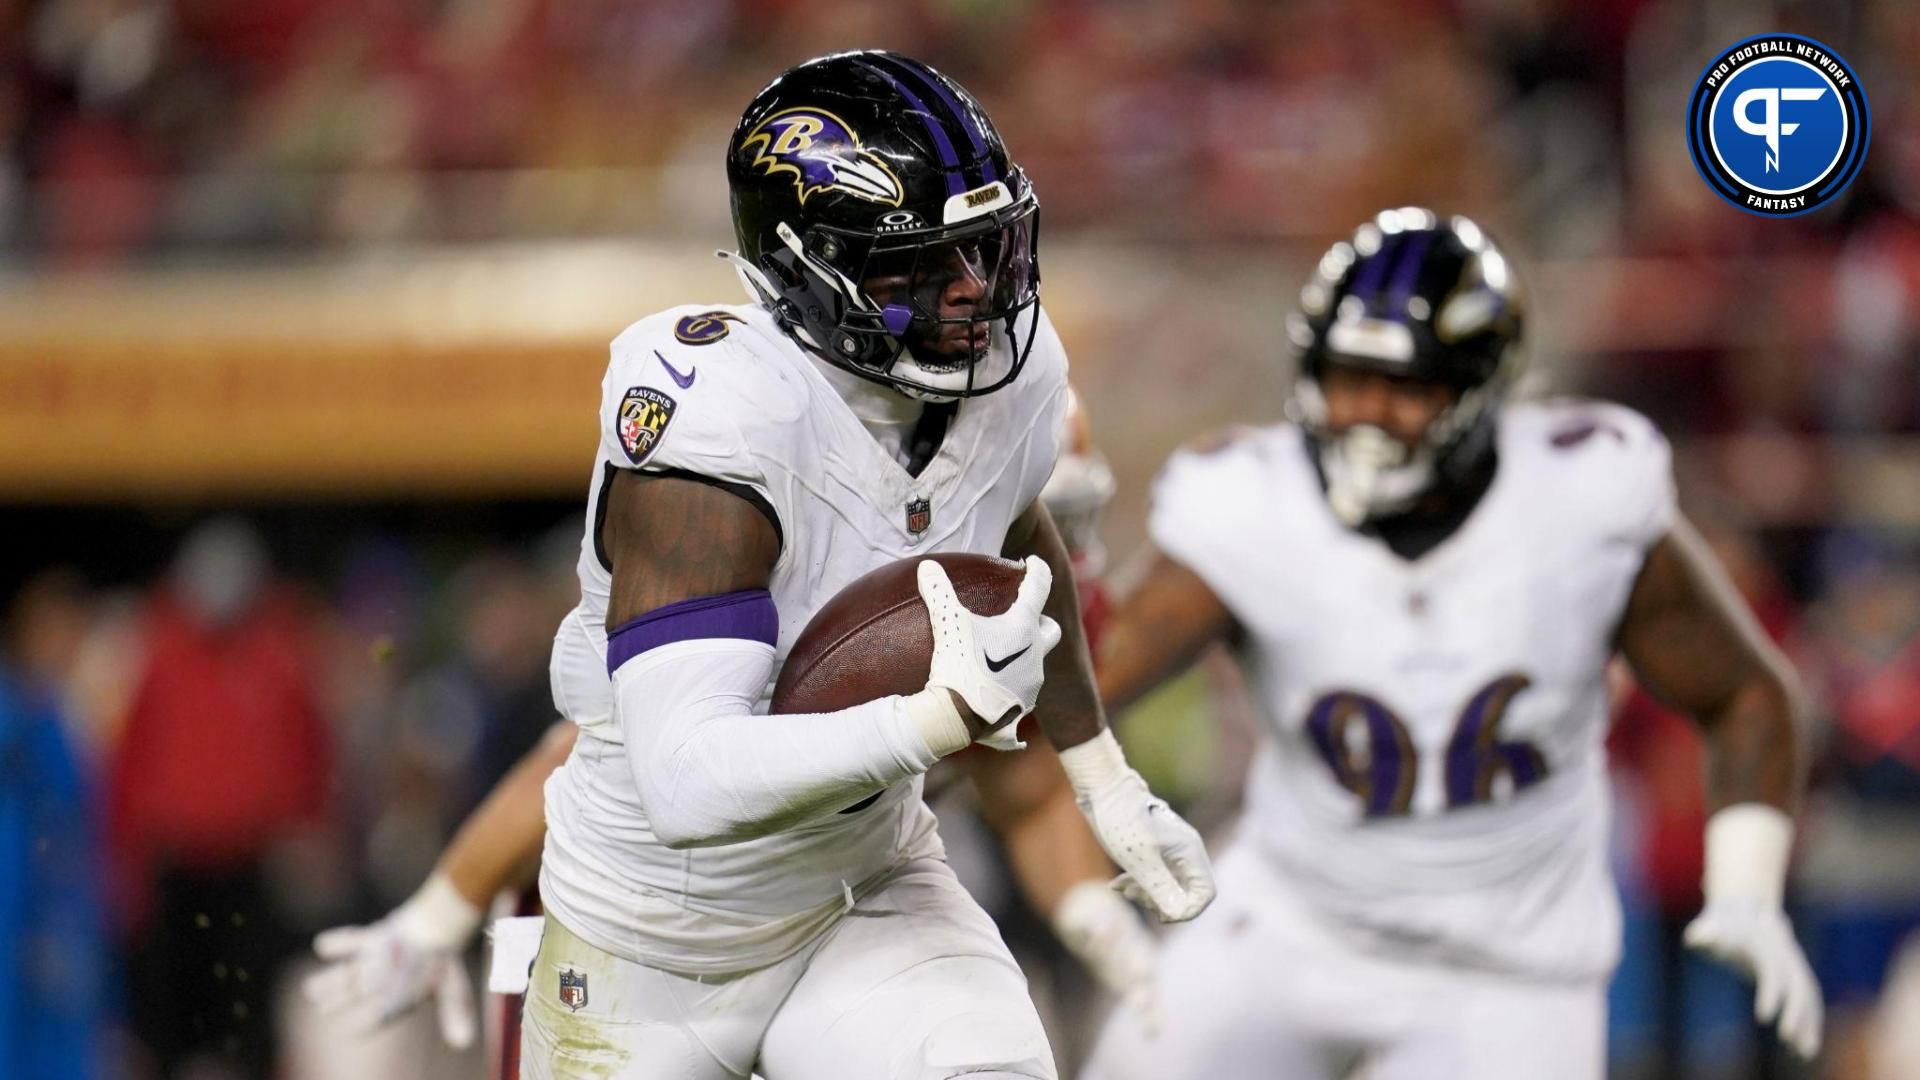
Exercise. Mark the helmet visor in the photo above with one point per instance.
(943, 296)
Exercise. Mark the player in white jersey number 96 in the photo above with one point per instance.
(1425, 583)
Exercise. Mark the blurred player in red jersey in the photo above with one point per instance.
(378, 972)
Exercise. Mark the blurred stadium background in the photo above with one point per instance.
(304, 303)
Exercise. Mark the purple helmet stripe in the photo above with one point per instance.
(949, 159)
(1407, 274)
(988, 174)
(1368, 280)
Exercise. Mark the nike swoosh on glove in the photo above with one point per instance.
(995, 663)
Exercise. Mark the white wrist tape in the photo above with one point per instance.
(938, 722)
(437, 916)
(1096, 763)
(1747, 849)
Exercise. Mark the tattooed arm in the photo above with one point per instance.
(672, 540)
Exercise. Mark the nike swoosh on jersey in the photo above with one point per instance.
(682, 381)
(997, 665)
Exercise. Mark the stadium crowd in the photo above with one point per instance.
(265, 735)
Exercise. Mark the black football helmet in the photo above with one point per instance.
(1415, 295)
(865, 186)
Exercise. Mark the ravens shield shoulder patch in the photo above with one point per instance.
(644, 414)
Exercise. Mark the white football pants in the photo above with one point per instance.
(913, 983)
(1250, 990)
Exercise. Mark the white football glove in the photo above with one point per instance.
(1164, 865)
(995, 663)
(376, 973)
(1742, 924)
(1105, 933)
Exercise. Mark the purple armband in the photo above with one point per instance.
(748, 614)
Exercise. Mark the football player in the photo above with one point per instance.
(1424, 585)
(378, 972)
(726, 891)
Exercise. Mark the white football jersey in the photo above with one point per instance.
(1432, 778)
(724, 394)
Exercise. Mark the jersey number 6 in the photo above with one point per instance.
(1370, 753)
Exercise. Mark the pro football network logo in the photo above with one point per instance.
(644, 413)
(821, 153)
(1778, 125)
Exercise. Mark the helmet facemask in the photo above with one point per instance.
(874, 301)
(1370, 474)
(1410, 296)
(864, 185)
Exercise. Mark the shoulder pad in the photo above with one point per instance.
(1611, 460)
(1570, 424)
(669, 403)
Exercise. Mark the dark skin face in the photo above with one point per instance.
(671, 540)
(1686, 634)
(1400, 406)
(1172, 616)
(952, 282)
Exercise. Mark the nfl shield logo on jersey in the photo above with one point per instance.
(573, 989)
(919, 515)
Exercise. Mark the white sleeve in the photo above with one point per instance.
(710, 771)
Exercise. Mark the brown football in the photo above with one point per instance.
(874, 639)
